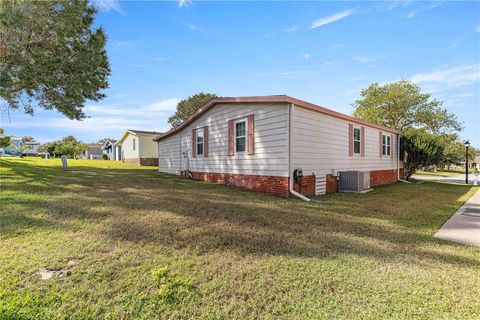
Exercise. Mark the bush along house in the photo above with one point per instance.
(280, 145)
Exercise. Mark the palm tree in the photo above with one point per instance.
(21, 149)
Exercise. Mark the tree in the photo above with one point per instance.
(69, 146)
(187, 107)
(21, 149)
(422, 150)
(102, 141)
(50, 56)
(27, 139)
(4, 140)
(455, 153)
(401, 105)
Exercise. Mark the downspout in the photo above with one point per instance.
(291, 107)
(398, 160)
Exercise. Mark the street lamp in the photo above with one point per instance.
(467, 144)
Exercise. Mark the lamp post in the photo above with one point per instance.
(467, 144)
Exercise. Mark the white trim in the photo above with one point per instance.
(359, 141)
(197, 131)
(245, 120)
(387, 146)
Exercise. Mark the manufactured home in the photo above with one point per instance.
(137, 147)
(279, 145)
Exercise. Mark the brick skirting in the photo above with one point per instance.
(380, 177)
(308, 185)
(142, 161)
(267, 184)
(278, 186)
(331, 184)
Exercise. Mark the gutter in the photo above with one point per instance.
(398, 160)
(291, 107)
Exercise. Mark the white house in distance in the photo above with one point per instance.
(137, 147)
(108, 148)
(93, 152)
(258, 143)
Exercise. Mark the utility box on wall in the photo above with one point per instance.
(354, 181)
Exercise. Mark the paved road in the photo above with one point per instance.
(460, 178)
(464, 225)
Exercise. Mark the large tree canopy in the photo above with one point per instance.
(402, 105)
(186, 107)
(50, 57)
(68, 146)
(422, 150)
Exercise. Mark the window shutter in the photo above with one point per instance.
(380, 143)
(251, 134)
(391, 145)
(362, 142)
(230, 138)
(205, 141)
(194, 143)
(350, 139)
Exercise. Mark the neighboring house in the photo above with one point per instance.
(108, 148)
(137, 147)
(32, 149)
(16, 143)
(93, 152)
(258, 142)
(475, 163)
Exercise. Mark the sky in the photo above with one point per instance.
(321, 52)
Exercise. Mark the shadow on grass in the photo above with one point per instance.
(393, 222)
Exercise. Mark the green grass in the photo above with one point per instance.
(135, 244)
(441, 173)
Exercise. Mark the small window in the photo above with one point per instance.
(240, 136)
(356, 140)
(133, 144)
(386, 145)
(200, 141)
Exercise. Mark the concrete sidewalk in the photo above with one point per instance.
(464, 226)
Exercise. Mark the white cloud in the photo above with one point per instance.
(306, 55)
(368, 59)
(159, 108)
(448, 78)
(109, 5)
(477, 28)
(292, 29)
(193, 27)
(335, 17)
(184, 3)
(411, 14)
(103, 121)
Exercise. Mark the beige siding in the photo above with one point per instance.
(169, 155)
(147, 147)
(320, 145)
(127, 147)
(271, 142)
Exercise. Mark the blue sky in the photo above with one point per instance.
(322, 52)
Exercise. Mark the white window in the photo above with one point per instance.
(356, 140)
(386, 145)
(200, 141)
(240, 135)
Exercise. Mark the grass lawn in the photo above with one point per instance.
(443, 173)
(129, 243)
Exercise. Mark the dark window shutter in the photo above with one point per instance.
(251, 134)
(231, 138)
(380, 143)
(350, 139)
(362, 142)
(194, 143)
(205, 141)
